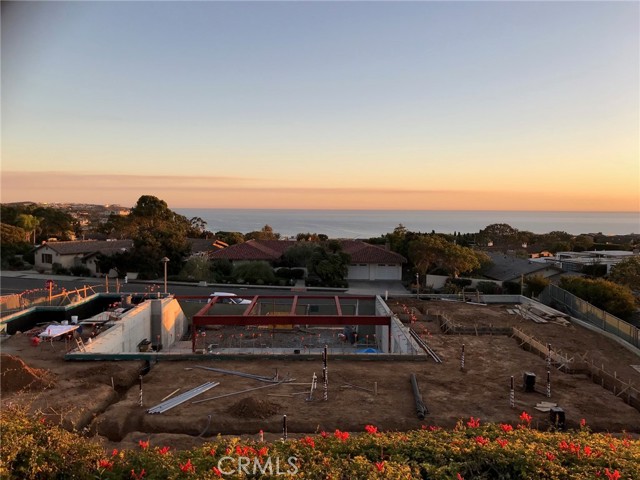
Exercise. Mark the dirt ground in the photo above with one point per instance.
(102, 398)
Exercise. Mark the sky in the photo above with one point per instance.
(323, 105)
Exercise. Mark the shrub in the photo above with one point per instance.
(252, 272)
(80, 271)
(58, 269)
(32, 449)
(489, 288)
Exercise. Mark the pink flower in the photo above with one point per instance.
(615, 475)
(473, 422)
(143, 445)
(380, 466)
(371, 429)
(187, 467)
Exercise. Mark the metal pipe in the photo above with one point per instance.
(169, 404)
(236, 393)
(421, 408)
(238, 374)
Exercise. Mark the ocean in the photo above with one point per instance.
(365, 224)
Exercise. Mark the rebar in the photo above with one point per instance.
(260, 378)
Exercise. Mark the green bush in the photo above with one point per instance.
(58, 269)
(253, 272)
(33, 449)
(80, 271)
(489, 288)
(611, 297)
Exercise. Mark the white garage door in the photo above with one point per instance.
(358, 271)
(388, 272)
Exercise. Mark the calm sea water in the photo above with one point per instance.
(373, 223)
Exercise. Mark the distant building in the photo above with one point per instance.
(368, 262)
(80, 253)
(576, 261)
(509, 268)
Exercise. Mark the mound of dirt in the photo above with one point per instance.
(16, 375)
(253, 408)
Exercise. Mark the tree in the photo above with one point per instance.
(29, 223)
(266, 233)
(230, 238)
(536, 284)
(329, 263)
(254, 272)
(426, 252)
(611, 297)
(499, 234)
(298, 255)
(627, 272)
(196, 268)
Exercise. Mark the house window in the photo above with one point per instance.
(47, 258)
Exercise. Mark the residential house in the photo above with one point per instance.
(576, 261)
(368, 262)
(77, 253)
(509, 268)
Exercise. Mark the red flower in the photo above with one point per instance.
(612, 447)
(212, 452)
(525, 417)
(563, 445)
(308, 441)
(506, 427)
(433, 428)
(104, 463)
(587, 450)
(187, 467)
(502, 442)
(323, 434)
(583, 423)
(341, 435)
(114, 452)
(459, 477)
(550, 456)
(138, 476)
(163, 450)
(43, 420)
(371, 429)
(380, 466)
(482, 441)
(217, 471)
(473, 422)
(615, 475)
(143, 445)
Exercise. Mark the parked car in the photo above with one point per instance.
(232, 298)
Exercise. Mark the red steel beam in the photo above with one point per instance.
(289, 320)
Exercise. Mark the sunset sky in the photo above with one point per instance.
(327, 105)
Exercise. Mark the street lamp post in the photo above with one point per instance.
(418, 286)
(165, 260)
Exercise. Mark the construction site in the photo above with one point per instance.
(179, 370)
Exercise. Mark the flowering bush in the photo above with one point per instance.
(33, 450)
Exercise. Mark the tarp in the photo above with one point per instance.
(52, 331)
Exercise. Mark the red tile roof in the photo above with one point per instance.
(272, 250)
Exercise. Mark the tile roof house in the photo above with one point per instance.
(368, 262)
(78, 253)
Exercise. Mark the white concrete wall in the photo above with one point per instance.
(135, 326)
(438, 281)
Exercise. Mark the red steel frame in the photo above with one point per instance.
(203, 318)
